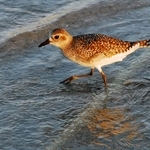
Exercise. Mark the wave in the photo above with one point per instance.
(65, 17)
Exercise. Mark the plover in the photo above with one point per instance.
(92, 50)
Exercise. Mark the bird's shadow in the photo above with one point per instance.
(82, 87)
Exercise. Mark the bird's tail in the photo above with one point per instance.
(144, 43)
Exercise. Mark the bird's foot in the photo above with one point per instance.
(68, 80)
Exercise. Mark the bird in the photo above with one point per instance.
(92, 50)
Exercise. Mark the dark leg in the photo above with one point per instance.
(68, 80)
(104, 78)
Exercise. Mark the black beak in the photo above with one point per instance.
(44, 43)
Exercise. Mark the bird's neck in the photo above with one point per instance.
(68, 50)
(67, 45)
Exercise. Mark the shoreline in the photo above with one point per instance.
(73, 20)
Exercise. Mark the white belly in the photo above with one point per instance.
(98, 63)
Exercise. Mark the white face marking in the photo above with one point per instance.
(49, 34)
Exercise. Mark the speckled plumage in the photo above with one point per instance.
(92, 50)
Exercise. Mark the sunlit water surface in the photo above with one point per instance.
(37, 112)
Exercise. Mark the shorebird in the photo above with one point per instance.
(92, 50)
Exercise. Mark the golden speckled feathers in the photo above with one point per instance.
(91, 44)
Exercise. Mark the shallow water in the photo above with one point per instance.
(37, 112)
(22, 16)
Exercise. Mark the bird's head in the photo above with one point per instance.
(59, 37)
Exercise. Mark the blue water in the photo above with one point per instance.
(22, 16)
(36, 112)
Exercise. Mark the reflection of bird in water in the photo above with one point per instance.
(92, 50)
(110, 122)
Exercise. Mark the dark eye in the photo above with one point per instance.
(56, 37)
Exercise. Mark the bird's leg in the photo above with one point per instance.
(71, 78)
(104, 78)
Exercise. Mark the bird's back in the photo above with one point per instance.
(92, 44)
